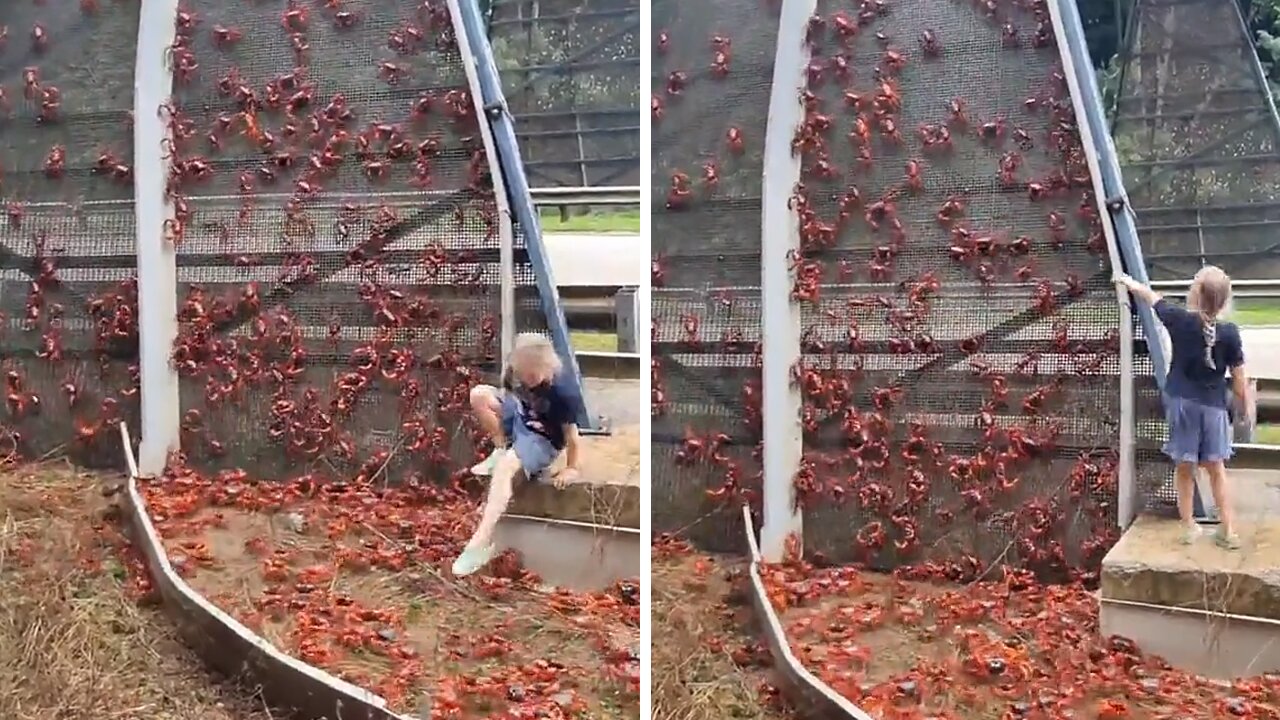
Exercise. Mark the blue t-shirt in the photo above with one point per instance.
(547, 408)
(1190, 377)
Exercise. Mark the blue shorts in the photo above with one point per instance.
(1197, 433)
(536, 453)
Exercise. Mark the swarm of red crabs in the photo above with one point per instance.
(361, 529)
(950, 640)
(416, 354)
(886, 235)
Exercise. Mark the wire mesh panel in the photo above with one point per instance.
(68, 301)
(960, 331)
(1197, 135)
(338, 240)
(713, 64)
(569, 69)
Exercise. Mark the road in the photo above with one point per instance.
(608, 260)
(1262, 351)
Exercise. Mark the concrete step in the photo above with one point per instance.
(1149, 565)
(1202, 609)
(609, 491)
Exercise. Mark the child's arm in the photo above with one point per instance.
(572, 447)
(1139, 290)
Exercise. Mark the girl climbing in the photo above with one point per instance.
(1196, 394)
(531, 419)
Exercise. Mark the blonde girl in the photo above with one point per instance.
(531, 419)
(1206, 368)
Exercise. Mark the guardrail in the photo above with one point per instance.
(562, 196)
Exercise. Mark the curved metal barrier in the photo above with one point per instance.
(224, 643)
(803, 687)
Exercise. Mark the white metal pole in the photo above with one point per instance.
(157, 265)
(779, 240)
(1127, 485)
(1127, 491)
(506, 236)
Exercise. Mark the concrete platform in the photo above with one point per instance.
(1149, 565)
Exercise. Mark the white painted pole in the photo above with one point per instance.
(1127, 490)
(157, 266)
(506, 235)
(1127, 486)
(779, 240)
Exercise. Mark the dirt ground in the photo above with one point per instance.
(706, 662)
(349, 579)
(915, 647)
(74, 642)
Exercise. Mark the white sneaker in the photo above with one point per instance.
(484, 468)
(1190, 533)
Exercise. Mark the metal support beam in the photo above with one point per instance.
(1102, 154)
(470, 22)
(780, 239)
(157, 264)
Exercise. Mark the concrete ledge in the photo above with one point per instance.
(812, 697)
(600, 504)
(226, 645)
(1215, 645)
(574, 555)
(1149, 565)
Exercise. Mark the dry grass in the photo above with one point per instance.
(73, 643)
(700, 619)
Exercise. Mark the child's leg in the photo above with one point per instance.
(1183, 447)
(1216, 437)
(486, 405)
(530, 454)
(500, 490)
(1221, 497)
(496, 413)
(1185, 479)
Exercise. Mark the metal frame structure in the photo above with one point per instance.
(1116, 224)
(570, 123)
(470, 23)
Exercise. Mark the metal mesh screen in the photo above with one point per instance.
(68, 304)
(1197, 137)
(961, 360)
(338, 265)
(569, 70)
(706, 266)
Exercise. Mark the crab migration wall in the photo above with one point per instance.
(336, 228)
(68, 302)
(569, 70)
(959, 341)
(712, 64)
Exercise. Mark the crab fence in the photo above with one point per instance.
(338, 241)
(569, 71)
(950, 338)
(68, 311)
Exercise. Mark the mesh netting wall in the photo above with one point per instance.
(1197, 139)
(569, 69)
(961, 361)
(68, 302)
(338, 265)
(708, 139)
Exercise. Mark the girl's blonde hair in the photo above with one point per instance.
(532, 350)
(1210, 298)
